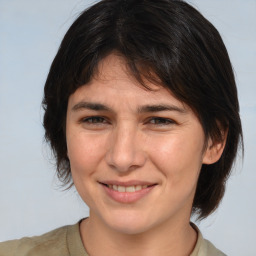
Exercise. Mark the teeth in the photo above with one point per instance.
(138, 187)
(121, 189)
(129, 189)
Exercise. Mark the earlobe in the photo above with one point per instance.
(214, 150)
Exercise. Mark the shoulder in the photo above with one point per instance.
(204, 247)
(51, 243)
(207, 248)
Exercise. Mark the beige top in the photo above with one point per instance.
(66, 241)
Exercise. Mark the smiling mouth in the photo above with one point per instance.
(127, 192)
(129, 189)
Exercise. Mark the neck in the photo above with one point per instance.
(176, 238)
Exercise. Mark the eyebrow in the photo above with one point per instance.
(161, 107)
(143, 109)
(92, 106)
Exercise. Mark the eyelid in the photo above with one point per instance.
(166, 121)
(87, 118)
(158, 120)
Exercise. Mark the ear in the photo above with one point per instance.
(214, 149)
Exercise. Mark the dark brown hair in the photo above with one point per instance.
(165, 39)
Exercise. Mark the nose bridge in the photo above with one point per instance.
(125, 152)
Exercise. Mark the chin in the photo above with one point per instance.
(130, 228)
(129, 223)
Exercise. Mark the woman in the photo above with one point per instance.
(142, 114)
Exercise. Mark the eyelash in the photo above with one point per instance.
(158, 121)
(92, 119)
(161, 121)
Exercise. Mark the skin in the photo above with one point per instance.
(122, 140)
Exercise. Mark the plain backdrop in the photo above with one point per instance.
(31, 200)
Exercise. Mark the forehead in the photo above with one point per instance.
(113, 83)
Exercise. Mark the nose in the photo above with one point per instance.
(126, 150)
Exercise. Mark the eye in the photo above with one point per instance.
(94, 120)
(94, 123)
(161, 121)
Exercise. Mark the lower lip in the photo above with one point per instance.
(127, 197)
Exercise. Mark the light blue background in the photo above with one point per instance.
(31, 201)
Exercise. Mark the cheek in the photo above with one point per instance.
(85, 155)
(84, 152)
(179, 158)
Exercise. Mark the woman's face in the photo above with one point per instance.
(135, 155)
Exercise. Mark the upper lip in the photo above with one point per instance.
(127, 183)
